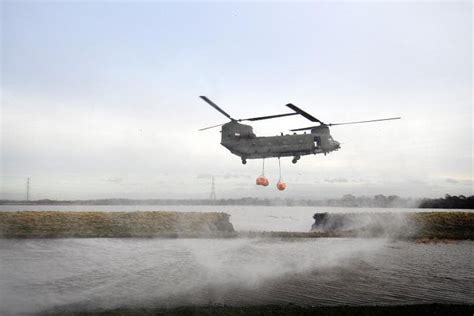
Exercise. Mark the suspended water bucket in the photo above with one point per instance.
(263, 181)
(281, 185)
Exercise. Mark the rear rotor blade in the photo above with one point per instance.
(215, 106)
(303, 128)
(266, 117)
(203, 129)
(369, 121)
(303, 113)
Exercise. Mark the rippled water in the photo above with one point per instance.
(40, 274)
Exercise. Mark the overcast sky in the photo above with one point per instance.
(101, 99)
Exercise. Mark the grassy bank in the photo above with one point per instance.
(425, 227)
(290, 309)
(444, 225)
(420, 225)
(112, 224)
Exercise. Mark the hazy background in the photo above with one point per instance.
(101, 99)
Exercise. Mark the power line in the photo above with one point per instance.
(28, 189)
(213, 191)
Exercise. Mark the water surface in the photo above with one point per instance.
(40, 274)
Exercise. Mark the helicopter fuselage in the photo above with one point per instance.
(240, 140)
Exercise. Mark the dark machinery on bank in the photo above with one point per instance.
(241, 141)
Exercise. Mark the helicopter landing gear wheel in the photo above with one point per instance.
(295, 159)
(244, 161)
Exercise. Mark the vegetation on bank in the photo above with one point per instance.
(444, 225)
(112, 224)
(274, 310)
(416, 225)
(412, 226)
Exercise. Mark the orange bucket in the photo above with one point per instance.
(263, 181)
(281, 186)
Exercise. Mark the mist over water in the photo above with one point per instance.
(90, 274)
(108, 273)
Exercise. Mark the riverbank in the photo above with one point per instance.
(55, 224)
(416, 225)
(424, 226)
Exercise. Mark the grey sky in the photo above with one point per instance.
(101, 99)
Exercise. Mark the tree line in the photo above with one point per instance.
(348, 200)
(450, 202)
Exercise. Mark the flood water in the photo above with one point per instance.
(82, 274)
(87, 274)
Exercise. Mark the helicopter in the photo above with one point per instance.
(240, 139)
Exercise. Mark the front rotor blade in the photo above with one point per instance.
(215, 106)
(203, 129)
(266, 117)
(370, 121)
(303, 113)
(303, 128)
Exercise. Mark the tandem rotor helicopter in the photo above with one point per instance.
(240, 140)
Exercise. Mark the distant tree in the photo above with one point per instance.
(449, 202)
